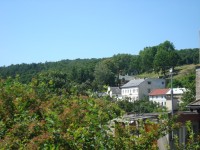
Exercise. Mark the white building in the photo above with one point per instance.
(114, 92)
(158, 96)
(140, 88)
(163, 97)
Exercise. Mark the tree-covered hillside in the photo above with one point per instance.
(98, 72)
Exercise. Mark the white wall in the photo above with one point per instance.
(131, 93)
(158, 99)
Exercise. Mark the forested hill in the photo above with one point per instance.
(99, 72)
(70, 67)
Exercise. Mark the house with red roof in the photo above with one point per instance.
(163, 97)
(158, 96)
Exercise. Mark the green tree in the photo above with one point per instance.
(188, 56)
(147, 58)
(122, 63)
(165, 58)
(104, 74)
(140, 106)
(134, 67)
(189, 83)
(161, 62)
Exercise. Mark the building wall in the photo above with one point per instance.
(131, 93)
(169, 104)
(150, 84)
(158, 99)
(197, 83)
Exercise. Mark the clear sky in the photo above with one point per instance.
(33, 31)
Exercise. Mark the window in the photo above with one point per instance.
(163, 82)
(149, 90)
(149, 82)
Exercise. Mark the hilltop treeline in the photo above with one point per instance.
(94, 73)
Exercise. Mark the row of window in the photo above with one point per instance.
(129, 91)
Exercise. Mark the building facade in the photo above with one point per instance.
(163, 97)
(158, 96)
(139, 88)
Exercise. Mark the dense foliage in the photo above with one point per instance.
(43, 115)
(36, 116)
(140, 107)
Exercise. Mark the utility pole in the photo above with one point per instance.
(171, 135)
(171, 71)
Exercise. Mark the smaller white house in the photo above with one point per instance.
(114, 92)
(163, 97)
(158, 96)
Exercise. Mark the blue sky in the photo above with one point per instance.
(33, 31)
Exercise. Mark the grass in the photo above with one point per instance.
(148, 75)
(180, 71)
(184, 70)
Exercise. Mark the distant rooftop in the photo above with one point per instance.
(126, 77)
(177, 91)
(158, 92)
(133, 83)
(194, 105)
(115, 90)
(197, 102)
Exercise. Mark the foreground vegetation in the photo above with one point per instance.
(32, 116)
(40, 115)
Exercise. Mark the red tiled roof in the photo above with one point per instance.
(158, 92)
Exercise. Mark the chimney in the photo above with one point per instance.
(198, 83)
